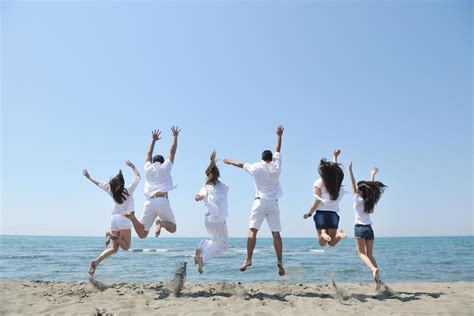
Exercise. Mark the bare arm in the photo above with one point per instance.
(279, 133)
(174, 146)
(373, 172)
(155, 136)
(86, 174)
(234, 163)
(315, 205)
(131, 165)
(353, 181)
(335, 154)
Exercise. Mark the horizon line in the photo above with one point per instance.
(206, 237)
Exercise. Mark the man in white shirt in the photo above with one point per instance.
(266, 174)
(158, 183)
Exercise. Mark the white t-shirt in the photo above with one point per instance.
(266, 176)
(361, 217)
(127, 205)
(158, 177)
(216, 201)
(326, 203)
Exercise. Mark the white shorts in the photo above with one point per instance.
(265, 209)
(119, 222)
(156, 207)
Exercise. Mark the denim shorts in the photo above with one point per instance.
(326, 219)
(364, 232)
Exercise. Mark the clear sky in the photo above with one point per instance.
(389, 82)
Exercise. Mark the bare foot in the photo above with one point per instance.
(341, 234)
(246, 264)
(325, 236)
(93, 267)
(158, 228)
(107, 239)
(281, 270)
(200, 264)
(128, 214)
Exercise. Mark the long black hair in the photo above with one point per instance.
(117, 186)
(332, 176)
(370, 191)
(212, 172)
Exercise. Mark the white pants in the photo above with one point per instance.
(156, 207)
(265, 209)
(218, 242)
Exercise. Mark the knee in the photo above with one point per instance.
(126, 247)
(322, 242)
(172, 229)
(115, 249)
(142, 235)
(332, 244)
(276, 235)
(252, 232)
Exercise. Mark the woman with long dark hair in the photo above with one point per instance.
(366, 195)
(214, 194)
(328, 192)
(120, 226)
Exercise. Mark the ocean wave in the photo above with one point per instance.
(317, 250)
(148, 250)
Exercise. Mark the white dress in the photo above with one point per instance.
(215, 199)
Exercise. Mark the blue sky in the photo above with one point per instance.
(84, 83)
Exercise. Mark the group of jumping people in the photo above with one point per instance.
(328, 192)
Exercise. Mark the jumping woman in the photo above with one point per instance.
(120, 226)
(366, 195)
(328, 193)
(214, 194)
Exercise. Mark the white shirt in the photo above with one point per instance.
(326, 203)
(127, 205)
(216, 201)
(158, 177)
(266, 176)
(361, 217)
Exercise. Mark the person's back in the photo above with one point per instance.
(216, 201)
(158, 177)
(267, 177)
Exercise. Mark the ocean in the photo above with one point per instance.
(401, 259)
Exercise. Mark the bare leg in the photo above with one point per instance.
(278, 244)
(322, 241)
(106, 253)
(198, 261)
(336, 236)
(362, 251)
(251, 242)
(139, 228)
(169, 226)
(369, 247)
(125, 239)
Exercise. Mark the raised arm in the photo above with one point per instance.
(353, 181)
(132, 166)
(315, 204)
(155, 136)
(335, 154)
(373, 172)
(174, 146)
(233, 163)
(279, 133)
(86, 174)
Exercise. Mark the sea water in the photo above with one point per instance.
(403, 259)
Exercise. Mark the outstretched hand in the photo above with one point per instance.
(130, 164)
(198, 198)
(175, 130)
(350, 165)
(337, 152)
(155, 135)
(280, 130)
(374, 170)
(306, 215)
(85, 173)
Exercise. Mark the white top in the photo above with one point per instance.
(361, 217)
(158, 177)
(127, 205)
(266, 177)
(216, 201)
(326, 203)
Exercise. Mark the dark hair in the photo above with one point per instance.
(370, 191)
(267, 155)
(117, 186)
(158, 158)
(212, 172)
(332, 176)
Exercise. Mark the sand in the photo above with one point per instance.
(75, 297)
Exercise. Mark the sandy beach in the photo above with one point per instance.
(74, 297)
